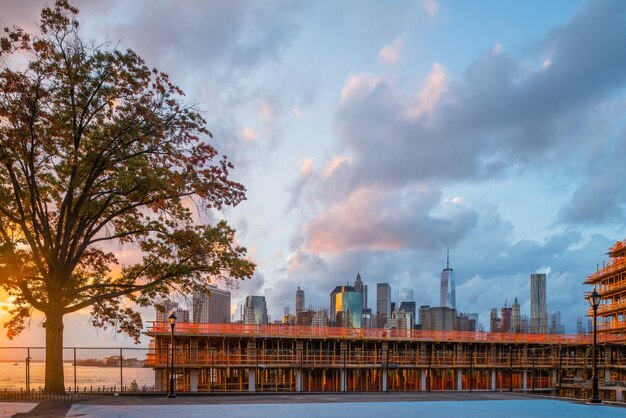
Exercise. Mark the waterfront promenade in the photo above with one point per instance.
(361, 405)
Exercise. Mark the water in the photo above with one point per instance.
(14, 376)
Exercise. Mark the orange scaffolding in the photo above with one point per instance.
(610, 282)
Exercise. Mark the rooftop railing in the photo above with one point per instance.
(297, 331)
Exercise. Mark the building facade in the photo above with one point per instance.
(213, 307)
(516, 317)
(437, 318)
(255, 311)
(274, 358)
(383, 304)
(349, 307)
(506, 319)
(447, 296)
(299, 300)
(360, 287)
(538, 308)
(409, 306)
(494, 321)
(610, 283)
(405, 295)
(165, 309)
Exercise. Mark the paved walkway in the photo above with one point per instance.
(539, 408)
(375, 405)
(8, 409)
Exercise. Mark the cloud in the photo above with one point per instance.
(426, 99)
(431, 7)
(307, 167)
(391, 54)
(375, 219)
(383, 208)
(249, 134)
(359, 86)
(235, 36)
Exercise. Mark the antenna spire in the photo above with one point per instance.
(448, 257)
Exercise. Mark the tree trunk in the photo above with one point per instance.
(54, 353)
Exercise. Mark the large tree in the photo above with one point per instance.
(97, 151)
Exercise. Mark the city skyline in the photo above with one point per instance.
(370, 147)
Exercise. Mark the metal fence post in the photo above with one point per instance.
(74, 369)
(28, 369)
(121, 370)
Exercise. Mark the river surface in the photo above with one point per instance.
(13, 376)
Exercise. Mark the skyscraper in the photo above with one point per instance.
(213, 308)
(333, 307)
(255, 310)
(505, 321)
(405, 295)
(494, 321)
(447, 297)
(349, 307)
(516, 318)
(168, 307)
(409, 306)
(299, 300)
(360, 287)
(538, 308)
(300, 313)
(383, 304)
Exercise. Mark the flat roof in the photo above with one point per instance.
(377, 334)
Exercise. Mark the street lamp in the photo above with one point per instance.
(594, 300)
(171, 393)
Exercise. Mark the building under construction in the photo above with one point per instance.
(283, 358)
(610, 282)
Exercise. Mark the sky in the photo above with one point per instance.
(371, 135)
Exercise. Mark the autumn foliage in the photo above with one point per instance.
(98, 151)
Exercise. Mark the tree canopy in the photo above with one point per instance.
(98, 151)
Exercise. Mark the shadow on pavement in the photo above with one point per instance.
(47, 410)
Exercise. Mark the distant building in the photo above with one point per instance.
(554, 324)
(367, 318)
(383, 304)
(465, 323)
(333, 307)
(475, 317)
(360, 287)
(580, 329)
(349, 307)
(288, 318)
(516, 318)
(405, 295)
(299, 300)
(320, 318)
(167, 307)
(409, 306)
(213, 308)
(182, 315)
(538, 308)
(437, 318)
(300, 307)
(505, 321)
(401, 320)
(494, 321)
(447, 297)
(525, 324)
(255, 311)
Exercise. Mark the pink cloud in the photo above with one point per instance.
(391, 54)
(351, 224)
